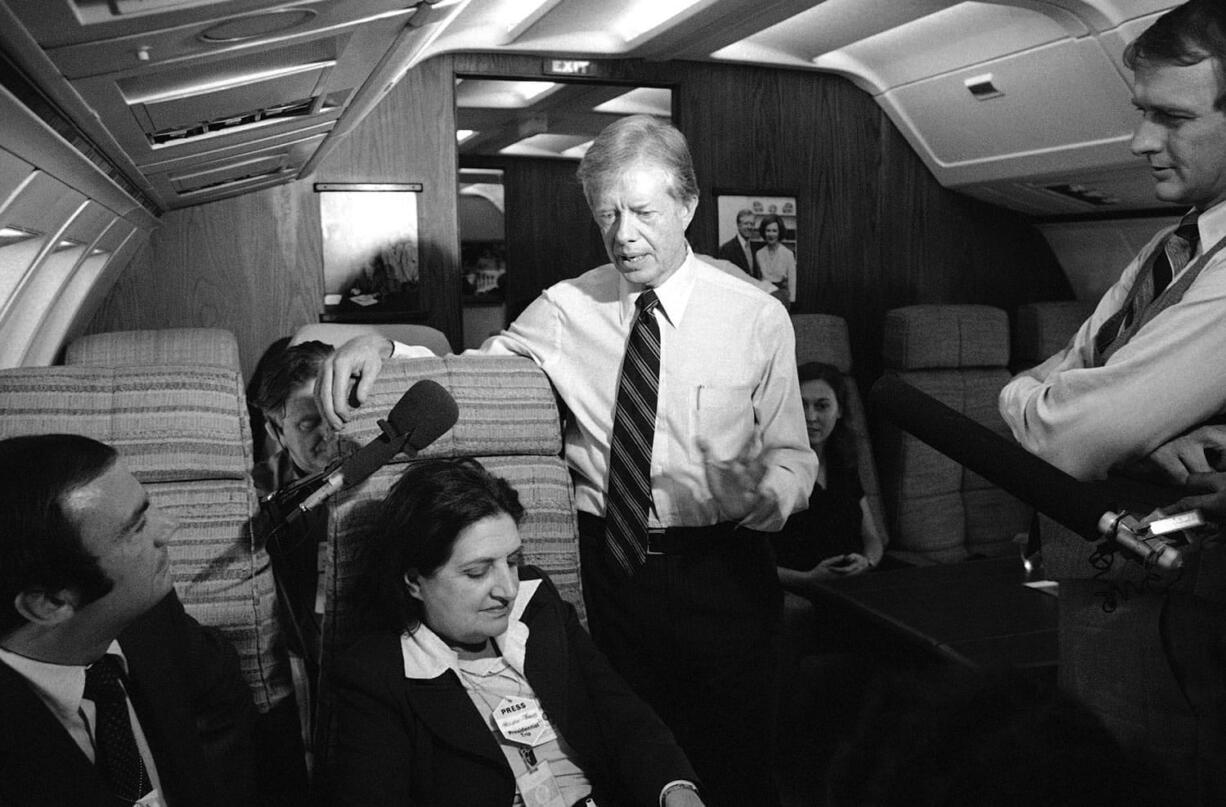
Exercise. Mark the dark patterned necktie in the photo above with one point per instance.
(118, 758)
(1169, 260)
(628, 495)
(1176, 250)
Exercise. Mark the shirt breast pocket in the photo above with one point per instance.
(723, 417)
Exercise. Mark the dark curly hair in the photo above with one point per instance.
(417, 526)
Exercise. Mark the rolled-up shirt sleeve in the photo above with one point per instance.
(791, 466)
(1169, 377)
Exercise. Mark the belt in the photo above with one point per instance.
(670, 540)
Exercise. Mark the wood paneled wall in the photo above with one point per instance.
(253, 264)
(875, 229)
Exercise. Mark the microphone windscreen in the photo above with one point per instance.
(434, 412)
(1001, 461)
(370, 458)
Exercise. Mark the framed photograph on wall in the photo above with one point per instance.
(766, 248)
(370, 250)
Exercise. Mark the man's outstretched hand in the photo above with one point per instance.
(348, 374)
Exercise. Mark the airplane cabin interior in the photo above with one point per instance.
(184, 183)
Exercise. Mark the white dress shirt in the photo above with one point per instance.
(1169, 377)
(727, 374)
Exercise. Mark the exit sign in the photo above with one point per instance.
(571, 67)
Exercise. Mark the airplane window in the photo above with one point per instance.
(15, 235)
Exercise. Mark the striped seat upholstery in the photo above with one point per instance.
(163, 346)
(183, 432)
(509, 422)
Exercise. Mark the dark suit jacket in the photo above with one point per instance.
(422, 742)
(193, 706)
(731, 251)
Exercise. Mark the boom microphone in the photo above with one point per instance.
(418, 419)
(1084, 509)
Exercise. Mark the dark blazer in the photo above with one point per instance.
(731, 251)
(422, 742)
(193, 706)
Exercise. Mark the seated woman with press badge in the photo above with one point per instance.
(480, 689)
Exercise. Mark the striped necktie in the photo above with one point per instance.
(1177, 249)
(1168, 260)
(117, 757)
(628, 495)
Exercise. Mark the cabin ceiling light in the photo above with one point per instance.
(641, 100)
(646, 15)
(545, 145)
(518, 16)
(492, 94)
(577, 152)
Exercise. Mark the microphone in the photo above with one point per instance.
(418, 419)
(1083, 508)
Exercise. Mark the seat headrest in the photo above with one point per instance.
(1043, 329)
(214, 346)
(824, 338)
(170, 423)
(921, 337)
(507, 406)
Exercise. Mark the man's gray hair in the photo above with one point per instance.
(639, 139)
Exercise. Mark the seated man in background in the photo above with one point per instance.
(109, 692)
(285, 394)
(306, 446)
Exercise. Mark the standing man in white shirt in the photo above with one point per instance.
(110, 694)
(1146, 367)
(678, 578)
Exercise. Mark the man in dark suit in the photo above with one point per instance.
(738, 249)
(109, 692)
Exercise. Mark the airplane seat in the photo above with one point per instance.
(214, 346)
(1043, 329)
(824, 338)
(942, 512)
(509, 422)
(181, 429)
(338, 333)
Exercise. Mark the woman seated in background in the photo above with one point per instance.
(480, 689)
(837, 535)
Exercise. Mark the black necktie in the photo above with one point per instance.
(628, 496)
(118, 758)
